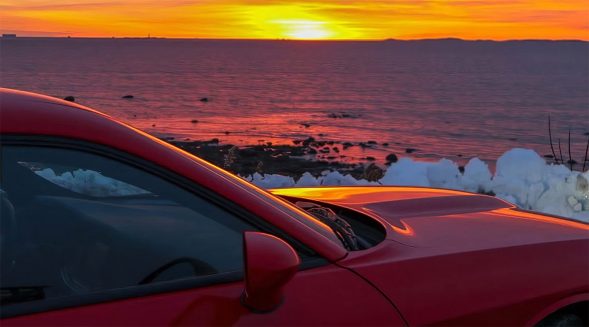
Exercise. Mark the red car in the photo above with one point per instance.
(102, 224)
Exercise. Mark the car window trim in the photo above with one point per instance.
(109, 295)
(130, 292)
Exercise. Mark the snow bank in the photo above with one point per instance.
(522, 177)
(306, 180)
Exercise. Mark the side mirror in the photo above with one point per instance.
(270, 263)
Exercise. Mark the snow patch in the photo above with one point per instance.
(307, 180)
(477, 176)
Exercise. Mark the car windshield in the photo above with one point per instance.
(302, 216)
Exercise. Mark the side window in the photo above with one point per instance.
(75, 222)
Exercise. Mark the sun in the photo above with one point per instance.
(302, 29)
(295, 22)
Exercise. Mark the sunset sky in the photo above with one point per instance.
(283, 19)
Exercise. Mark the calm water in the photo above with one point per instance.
(444, 98)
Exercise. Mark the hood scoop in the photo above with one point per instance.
(435, 206)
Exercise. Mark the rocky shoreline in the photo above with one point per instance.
(289, 160)
(315, 157)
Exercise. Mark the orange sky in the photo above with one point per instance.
(284, 19)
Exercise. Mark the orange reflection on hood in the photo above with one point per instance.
(406, 230)
(541, 217)
(364, 194)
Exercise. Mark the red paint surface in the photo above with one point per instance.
(449, 258)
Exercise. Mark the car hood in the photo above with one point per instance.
(445, 219)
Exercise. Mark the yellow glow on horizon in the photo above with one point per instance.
(294, 21)
(297, 19)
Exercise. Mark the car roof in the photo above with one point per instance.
(23, 112)
(12, 97)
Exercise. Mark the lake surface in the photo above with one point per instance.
(447, 98)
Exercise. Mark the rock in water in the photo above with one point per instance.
(70, 98)
(205, 99)
(308, 141)
(128, 96)
(391, 158)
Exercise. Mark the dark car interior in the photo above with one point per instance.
(57, 242)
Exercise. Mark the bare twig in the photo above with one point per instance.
(560, 151)
(570, 156)
(586, 151)
(550, 137)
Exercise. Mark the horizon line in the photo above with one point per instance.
(16, 36)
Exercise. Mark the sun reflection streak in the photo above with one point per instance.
(363, 194)
(406, 230)
(541, 217)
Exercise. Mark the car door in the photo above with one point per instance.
(94, 237)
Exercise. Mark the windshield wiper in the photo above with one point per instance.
(341, 228)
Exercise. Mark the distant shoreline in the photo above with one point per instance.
(392, 40)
